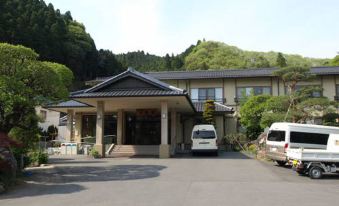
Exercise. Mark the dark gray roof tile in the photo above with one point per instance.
(199, 106)
(129, 93)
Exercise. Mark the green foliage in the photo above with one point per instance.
(251, 114)
(334, 61)
(209, 110)
(36, 158)
(281, 61)
(55, 36)
(331, 119)
(52, 132)
(25, 83)
(94, 153)
(217, 55)
(259, 112)
(252, 148)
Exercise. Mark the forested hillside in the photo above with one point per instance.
(218, 55)
(55, 37)
(59, 38)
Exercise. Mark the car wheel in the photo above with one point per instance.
(281, 163)
(315, 173)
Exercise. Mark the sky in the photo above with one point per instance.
(306, 27)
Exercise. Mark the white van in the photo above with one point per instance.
(282, 136)
(204, 139)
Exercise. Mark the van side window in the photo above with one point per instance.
(276, 136)
(309, 138)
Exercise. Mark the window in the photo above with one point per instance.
(247, 91)
(203, 94)
(309, 138)
(89, 125)
(276, 136)
(203, 135)
(316, 93)
(43, 115)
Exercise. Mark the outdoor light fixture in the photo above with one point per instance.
(163, 115)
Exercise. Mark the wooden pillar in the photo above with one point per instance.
(78, 127)
(99, 138)
(173, 131)
(69, 125)
(164, 150)
(120, 126)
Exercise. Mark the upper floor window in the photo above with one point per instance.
(43, 115)
(203, 94)
(258, 90)
(316, 90)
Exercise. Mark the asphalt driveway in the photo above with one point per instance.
(230, 179)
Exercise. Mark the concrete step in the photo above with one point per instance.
(135, 150)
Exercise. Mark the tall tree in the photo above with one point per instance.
(25, 83)
(281, 61)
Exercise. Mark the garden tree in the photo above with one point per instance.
(209, 110)
(25, 83)
(52, 132)
(281, 61)
(331, 119)
(251, 113)
(275, 110)
(291, 76)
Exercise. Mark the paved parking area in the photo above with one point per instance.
(230, 179)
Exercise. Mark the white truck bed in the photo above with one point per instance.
(314, 155)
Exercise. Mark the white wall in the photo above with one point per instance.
(52, 117)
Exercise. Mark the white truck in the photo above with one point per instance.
(315, 162)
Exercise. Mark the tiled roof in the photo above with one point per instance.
(130, 93)
(233, 73)
(135, 74)
(199, 106)
(224, 73)
(70, 103)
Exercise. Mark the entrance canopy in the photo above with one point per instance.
(129, 90)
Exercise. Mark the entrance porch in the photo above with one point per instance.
(133, 108)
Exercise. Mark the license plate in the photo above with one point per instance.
(273, 149)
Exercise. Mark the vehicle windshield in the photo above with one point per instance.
(203, 134)
(276, 136)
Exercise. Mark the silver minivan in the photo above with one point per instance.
(283, 135)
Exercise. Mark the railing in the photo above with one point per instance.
(221, 100)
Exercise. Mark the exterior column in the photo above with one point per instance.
(78, 126)
(69, 125)
(164, 149)
(99, 140)
(120, 126)
(173, 131)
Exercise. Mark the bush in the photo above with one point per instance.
(235, 141)
(252, 148)
(94, 153)
(37, 158)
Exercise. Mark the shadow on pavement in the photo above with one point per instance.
(85, 173)
(37, 189)
(221, 155)
(62, 179)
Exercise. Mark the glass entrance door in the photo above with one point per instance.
(143, 127)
